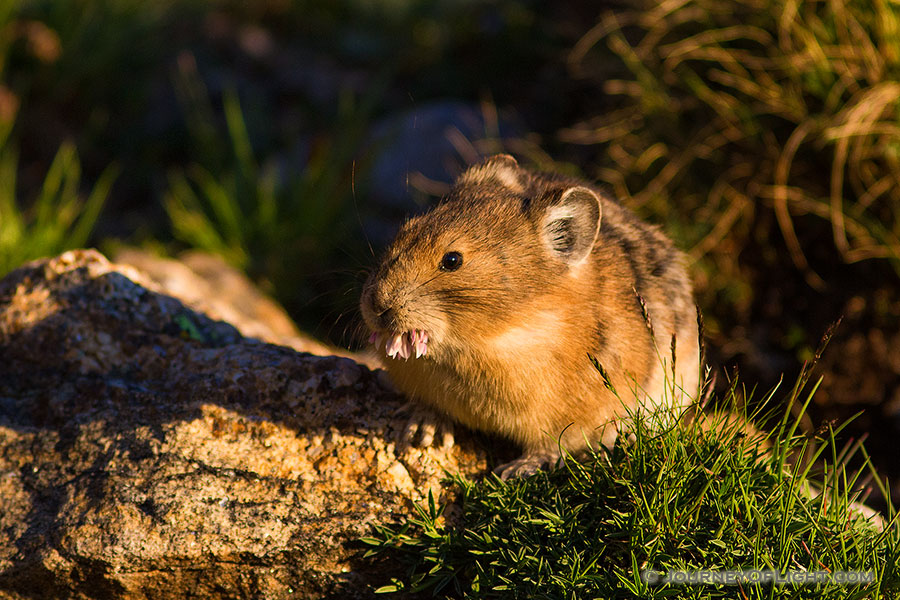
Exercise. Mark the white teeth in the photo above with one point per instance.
(394, 343)
(414, 342)
(406, 346)
(421, 343)
(402, 345)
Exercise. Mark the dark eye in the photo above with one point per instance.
(451, 261)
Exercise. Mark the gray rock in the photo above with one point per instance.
(424, 149)
(147, 451)
(206, 283)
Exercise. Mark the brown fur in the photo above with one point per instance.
(512, 328)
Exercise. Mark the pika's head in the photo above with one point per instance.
(502, 236)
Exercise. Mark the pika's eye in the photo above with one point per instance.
(451, 261)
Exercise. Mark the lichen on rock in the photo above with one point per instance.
(147, 451)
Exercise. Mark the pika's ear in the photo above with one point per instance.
(570, 226)
(505, 159)
(500, 168)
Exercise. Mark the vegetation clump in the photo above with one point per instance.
(723, 114)
(706, 495)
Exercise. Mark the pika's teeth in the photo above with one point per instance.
(406, 347)
(402, 345)
(394, 344)
(420, 340)
(377, 339)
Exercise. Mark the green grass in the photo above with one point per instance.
(704, 495)
(59, 218)
(250, 213)
(284, 224)
(57, 104)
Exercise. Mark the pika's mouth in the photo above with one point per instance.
(402, 344)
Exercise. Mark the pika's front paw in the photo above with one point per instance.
(527, 464)
(425, 427)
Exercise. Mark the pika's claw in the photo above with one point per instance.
(426, 433)
(527, 464)
(426, 426)
(447, 440)
(408, 435)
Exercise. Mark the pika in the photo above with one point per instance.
(490, 306)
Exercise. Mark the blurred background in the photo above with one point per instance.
(292, 137)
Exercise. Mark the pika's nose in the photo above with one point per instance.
(387, 318)
(384, 313)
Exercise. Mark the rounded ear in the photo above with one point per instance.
(506, 159)
(570, 226)
(500, 159)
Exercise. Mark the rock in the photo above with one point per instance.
(419, 153)
(207, 284)
(421, 141)
(147, 451)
